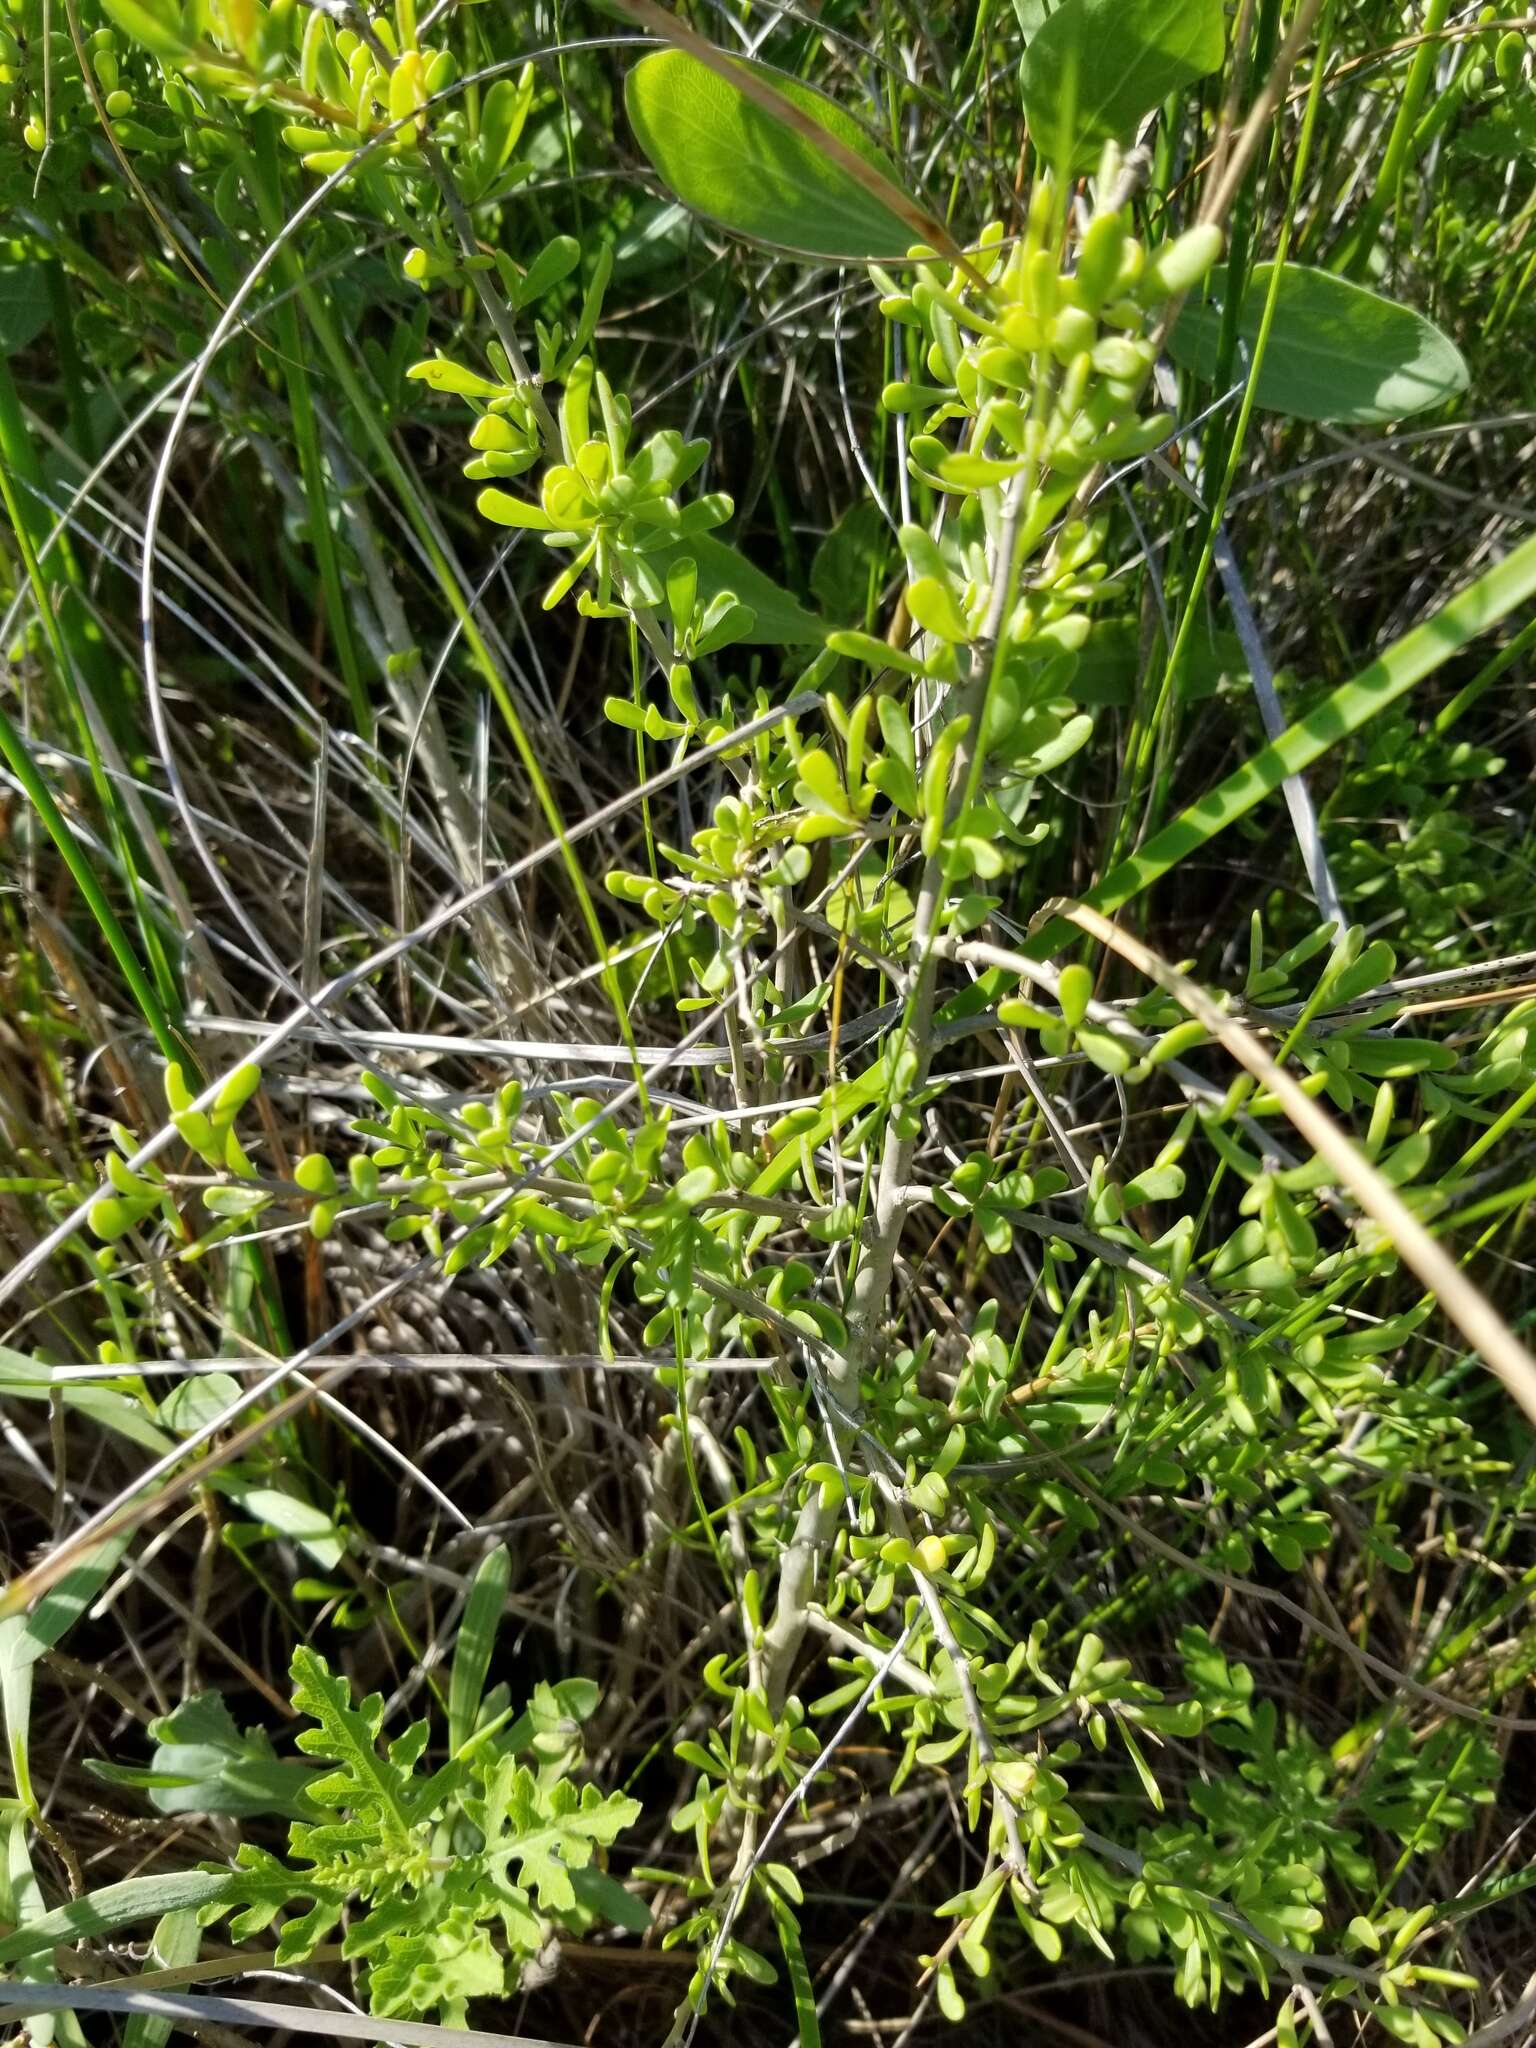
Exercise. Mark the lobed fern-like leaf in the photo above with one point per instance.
(374, 1790)
(548, 1831)
(438, 1862)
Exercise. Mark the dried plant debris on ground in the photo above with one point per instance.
(769, 1034)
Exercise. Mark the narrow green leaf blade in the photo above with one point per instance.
(1344, 711)
(1335, 351)
(114, 1906)
(174, 1942)
(477, 1638)
(23, 1379)
(27, 1636)
(802, 1987)
(24, 1638)
(21, 1902)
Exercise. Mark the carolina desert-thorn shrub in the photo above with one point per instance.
(989, 1370)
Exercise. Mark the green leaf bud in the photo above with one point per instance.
(1178, 266)
(1121, 359)
(1072, 332)
(1099, 259)
(110, 1217)
(1073, 992)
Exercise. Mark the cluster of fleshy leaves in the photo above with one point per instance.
(608, 504)
(340, 85)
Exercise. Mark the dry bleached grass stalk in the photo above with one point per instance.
(1467, 1306)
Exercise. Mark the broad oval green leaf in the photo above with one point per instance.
(778, 619)
(1335, 350)
(1094, 68)
(24, 309)
(729, 158)
(848, 557)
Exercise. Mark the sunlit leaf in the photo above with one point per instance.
(731, 159)
(1095, 68)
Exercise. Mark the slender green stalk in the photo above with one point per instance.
(1386, 191)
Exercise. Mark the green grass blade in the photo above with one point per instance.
(175, 1941)
(24, 1638)
(1344, 711)
(114, 1906)
(19, 759)
(477, 1639)
(803, 1990)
